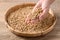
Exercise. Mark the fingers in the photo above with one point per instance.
(45, 4)
(45, 7)
(34, 21)
(43, 15)
(31, 21)
(27, 20)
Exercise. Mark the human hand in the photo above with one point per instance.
(45, 5)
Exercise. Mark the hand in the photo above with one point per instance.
(45, 5)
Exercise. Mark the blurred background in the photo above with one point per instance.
(5, 34)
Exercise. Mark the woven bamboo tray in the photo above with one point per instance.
(12, 9)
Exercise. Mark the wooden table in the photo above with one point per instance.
(5, 34)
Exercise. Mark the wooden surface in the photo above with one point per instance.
(5, 34)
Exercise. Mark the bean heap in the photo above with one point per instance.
(17, 18)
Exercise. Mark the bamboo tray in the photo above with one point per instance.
(12, 9)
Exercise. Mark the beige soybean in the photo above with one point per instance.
(17, 18)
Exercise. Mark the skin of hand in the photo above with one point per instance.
(45, 5)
